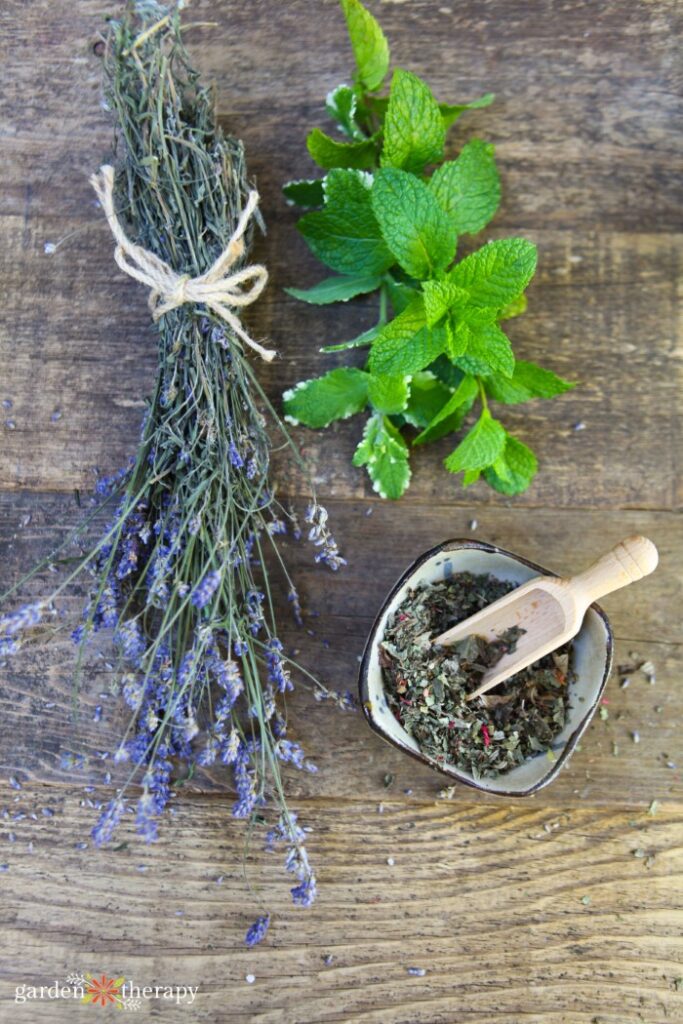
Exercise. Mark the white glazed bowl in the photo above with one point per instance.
(591, 663)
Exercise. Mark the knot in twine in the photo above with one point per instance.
(216, 288)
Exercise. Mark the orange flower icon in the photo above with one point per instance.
(103, 990)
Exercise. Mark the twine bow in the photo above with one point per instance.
(216, 288)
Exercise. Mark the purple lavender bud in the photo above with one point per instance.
(8, 645)
(230, 748)
(293, 598)
(109, 819)
(277, 673)
(305, 893)
(257, 932)
(204, 591)
(236, 459)
(27, 616)
(129, 639)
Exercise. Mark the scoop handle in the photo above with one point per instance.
(627, 562)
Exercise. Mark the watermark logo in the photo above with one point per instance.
(101, 990)
(104, 990)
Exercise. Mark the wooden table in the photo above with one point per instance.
(564, 908)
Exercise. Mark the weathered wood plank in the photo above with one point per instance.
(350, 758)
(470, 885)
(586, 130)
(591, 161)
(587, 95)
(83, 346)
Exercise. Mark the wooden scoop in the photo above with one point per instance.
(550, 609)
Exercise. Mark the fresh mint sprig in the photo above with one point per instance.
(386, 217)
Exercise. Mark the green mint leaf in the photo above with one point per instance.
(304, 193)
(345, 234)
(447, 372)
(385, 454)
(489, 349)
(412, 223)
(329, 153)
(514, 469)
(406, 345)
(496, 274)
(427, 396)
(366, 338)
(464, 395)
(478, 316)
(414, 131)
(468, 188)
(470, 476)
(514, 308)
(336, 396)
(388, 394)
(439, 297)
(336, 289)
(480, 447)
(375, 106)
(450, 112)
(342, 106)
(364, 451)
(457, 338)
(370, 47)
(400, 294)
(527, 381)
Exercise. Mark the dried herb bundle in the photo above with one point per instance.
(427, 685)
(179, 576)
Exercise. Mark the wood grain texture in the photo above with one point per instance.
(537, 911)
(341, 609)
(602, 166)
(524, 913)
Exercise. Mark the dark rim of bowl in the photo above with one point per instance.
(456, 544)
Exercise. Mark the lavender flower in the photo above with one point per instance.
(293, 598)
(254, 602)
(231, 748)
(293, 753)
(8, 646)
(106, 485)
(287, 831)
(108, 821)
(145, 818)
(316, 517)
(277, 673)
(305, 892)
(130, 641)
(204, 591)
(25, 617)
(236, 459)
(244, 784)
(257, 932)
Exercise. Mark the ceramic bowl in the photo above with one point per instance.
(591, 662)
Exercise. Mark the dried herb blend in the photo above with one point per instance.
(427, 685)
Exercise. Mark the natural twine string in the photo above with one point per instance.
(220, 291)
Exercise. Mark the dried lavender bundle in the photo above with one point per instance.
(179, 574)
